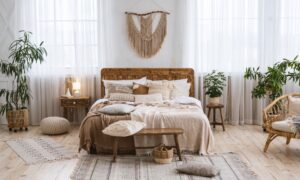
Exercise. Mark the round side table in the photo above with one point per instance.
(214, 107)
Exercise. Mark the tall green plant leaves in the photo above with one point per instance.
(23, 53)
(271, 82)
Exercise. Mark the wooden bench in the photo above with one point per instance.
(153, 132)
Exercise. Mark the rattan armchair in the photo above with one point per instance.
(277, 111)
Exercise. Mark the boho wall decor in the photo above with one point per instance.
(145, 41)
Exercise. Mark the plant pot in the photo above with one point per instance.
(214, 100)
(17, 119)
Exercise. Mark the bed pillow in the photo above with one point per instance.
(117, 109)
(140, 89)
(149, 98)
(198, 169)
(160, 89)
(294, 106)
(121, 97)
(117, 88)
(142, 81)
(124, 128)
(180, 89)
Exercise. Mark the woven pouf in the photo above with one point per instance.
(54, 125)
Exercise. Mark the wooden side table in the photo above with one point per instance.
(214, 107)
(74, 103)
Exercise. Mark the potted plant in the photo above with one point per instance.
(214, 83)
(271, 82)
(23, 53)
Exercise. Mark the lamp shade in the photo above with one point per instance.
(76, 85)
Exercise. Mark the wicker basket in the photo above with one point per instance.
(163, 154)
(17, 119)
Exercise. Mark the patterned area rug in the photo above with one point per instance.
(131, 167)
(39, 150)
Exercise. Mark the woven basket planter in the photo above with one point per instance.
(17, 119)
(163, 154)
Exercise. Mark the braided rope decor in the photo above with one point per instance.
(54, 125)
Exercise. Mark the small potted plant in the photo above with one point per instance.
(23, 53)
(214, 83)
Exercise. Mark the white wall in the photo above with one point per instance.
(123, 54)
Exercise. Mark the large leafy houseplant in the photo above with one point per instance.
(23, 53)
(214, 83)
(271, 82)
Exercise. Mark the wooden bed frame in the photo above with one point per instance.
(150, 73)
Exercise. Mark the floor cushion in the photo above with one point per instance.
(198, 169)
(285, 126)
(54, 125)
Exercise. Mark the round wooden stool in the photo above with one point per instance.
(214, 107)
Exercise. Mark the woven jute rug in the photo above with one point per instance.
(139, 168)
(39, 150)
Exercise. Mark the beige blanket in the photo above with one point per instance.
(197, 136)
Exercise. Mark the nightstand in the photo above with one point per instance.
(72, 104)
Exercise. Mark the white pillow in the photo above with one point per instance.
(180, 89)
(124, 128)
(117, 109)
(148, 98)
(188, 101)
(294, 106)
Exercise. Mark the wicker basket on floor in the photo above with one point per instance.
(17, 119)
(163, 154)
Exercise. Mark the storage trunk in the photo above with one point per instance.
(17, 119)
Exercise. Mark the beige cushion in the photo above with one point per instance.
(149, 98)
(121, 97)
(54, 125)
(294, 106)
(198, 169)
(160, 89)
(124, 128)
(285, 126)
(117, 109)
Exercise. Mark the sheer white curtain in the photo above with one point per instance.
(73, 37)
(223, 35)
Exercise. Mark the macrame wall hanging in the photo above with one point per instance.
(146, 41)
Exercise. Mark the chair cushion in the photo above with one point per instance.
(124, 128)
(294, 106)
(54, 125)
(285, 126)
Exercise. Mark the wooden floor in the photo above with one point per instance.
(281, 161)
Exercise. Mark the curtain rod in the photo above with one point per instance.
(144, 14)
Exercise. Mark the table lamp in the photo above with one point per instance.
(76, 89)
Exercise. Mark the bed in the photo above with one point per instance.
(197, 138)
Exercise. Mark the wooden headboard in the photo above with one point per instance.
(150, 73)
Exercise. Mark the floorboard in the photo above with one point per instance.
(280, 162)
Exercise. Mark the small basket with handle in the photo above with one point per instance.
(163, 154)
